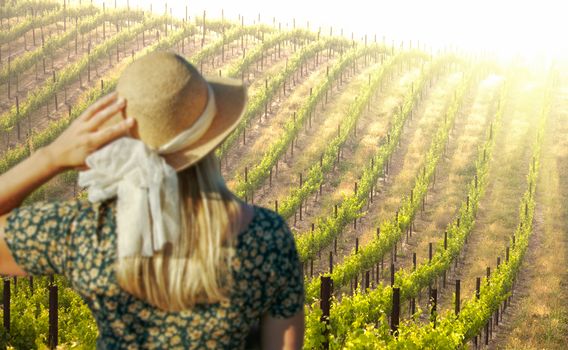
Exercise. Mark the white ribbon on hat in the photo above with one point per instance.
(148, 212)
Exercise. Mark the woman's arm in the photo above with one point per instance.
(85, 135)
(282, 333)
(69, 150)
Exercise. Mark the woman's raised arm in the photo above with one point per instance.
(68, 151)
(85, 135)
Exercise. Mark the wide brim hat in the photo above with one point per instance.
(167, 97)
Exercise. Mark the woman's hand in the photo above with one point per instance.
(69, 150)
(85, 136)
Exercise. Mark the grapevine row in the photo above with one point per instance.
(353, 312)
(259, 173)
(455, 330)
(257, 101)
(70, 73)
(392, 229)
(316, 174)
(34, 22)
(21, 7)
(258, 52)
(328, 228)
(27, 60)
(30, 305)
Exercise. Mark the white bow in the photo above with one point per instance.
(148, 212)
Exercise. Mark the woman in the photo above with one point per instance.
(163, 253)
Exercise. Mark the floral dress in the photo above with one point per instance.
(78, 239)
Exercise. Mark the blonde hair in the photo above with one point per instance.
(198, 268)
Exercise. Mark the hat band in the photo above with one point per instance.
(188, 137)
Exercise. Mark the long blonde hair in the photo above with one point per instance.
(198, 268)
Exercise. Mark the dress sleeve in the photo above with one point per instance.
(289, 298)
(39, 236)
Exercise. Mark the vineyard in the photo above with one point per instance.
(425, 189)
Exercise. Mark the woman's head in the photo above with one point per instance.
(183, 117)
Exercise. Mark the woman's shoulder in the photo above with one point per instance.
(268, 220)
(268, 216)
(270, 227)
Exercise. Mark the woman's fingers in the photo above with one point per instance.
(105, 114)
(98, 105)
(102, 137)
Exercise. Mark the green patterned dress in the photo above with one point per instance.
(77, 239)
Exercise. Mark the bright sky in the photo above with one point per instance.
(532, 29)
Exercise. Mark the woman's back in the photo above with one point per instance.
(82, 245)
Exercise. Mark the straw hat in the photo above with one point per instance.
(167, 96)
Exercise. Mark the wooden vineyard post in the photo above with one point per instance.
(6, 304)
(330, 262)
(430, 260)
(53, 305)
(246, 181)
(377, 276)
(478, 287)
(10, 76)
(394, 251)
(292, 145)
(395, 316)
(392, 274)
(301, 202)
(458, 301)
(433, 302)
(367, 280)
(31, 281)
(355, 219)
(356, 252)
(276, 206)
(311, 268)
(413, 261)
(89, 61)
(325, 304)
